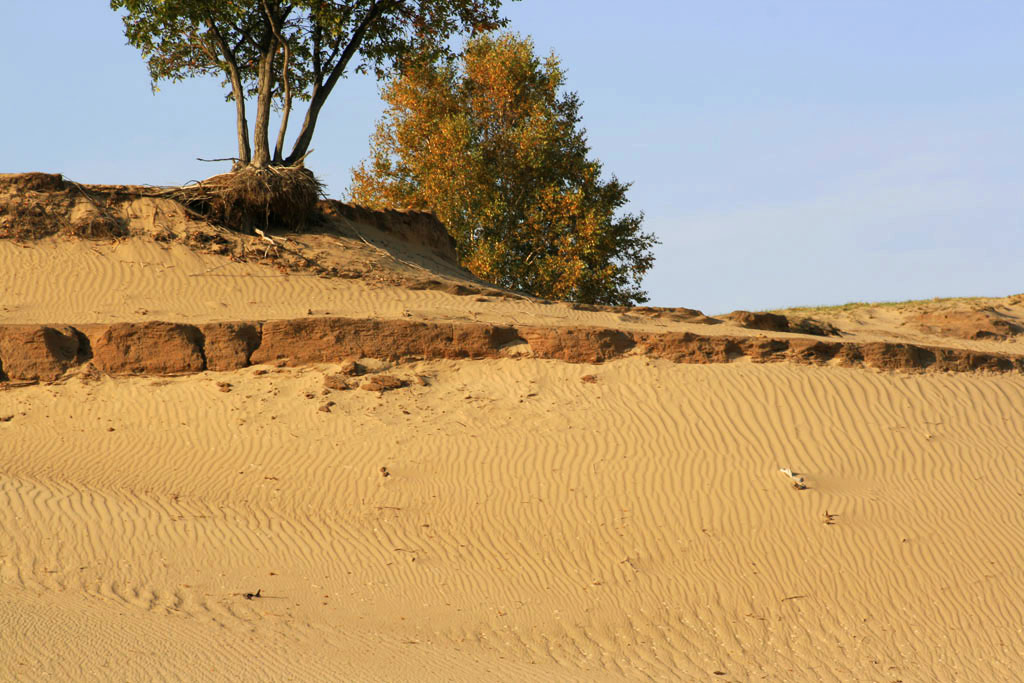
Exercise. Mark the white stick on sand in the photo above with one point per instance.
(798, 482)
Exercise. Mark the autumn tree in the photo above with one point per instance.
(491, 144)
(279, 51)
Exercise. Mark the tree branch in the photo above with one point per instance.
(316, 49)
(322, 91)
(376, 9)
(331, 57)
(287, 106)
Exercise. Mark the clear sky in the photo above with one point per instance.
(786, 153)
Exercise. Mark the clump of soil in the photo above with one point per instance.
(92, 220)
(342, 380)
(382, 383)
(36, 205)
(351, 368)
(337, 382)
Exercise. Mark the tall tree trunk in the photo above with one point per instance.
(241, 123)
(276, 25)
(286, 111)
(237, 92)
(305, 137)
(260, 134)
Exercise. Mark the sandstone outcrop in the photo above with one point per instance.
(983, 324)
(776, 322)
(771, 322)
(39, 352)
(676, 314)
(686, 347)
(576, 344)
(229, 346)
(150, 348)
(333, 340)
(44, 353)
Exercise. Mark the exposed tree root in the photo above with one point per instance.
(255, 198)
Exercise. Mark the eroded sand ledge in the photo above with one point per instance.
(45, 352)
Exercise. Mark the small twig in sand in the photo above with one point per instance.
(14, 384)
(269, 240)
(210, 270)
(264, 236)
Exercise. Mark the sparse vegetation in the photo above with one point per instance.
(856, 305)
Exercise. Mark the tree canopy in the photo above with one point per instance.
(491, 145)
(278, 51)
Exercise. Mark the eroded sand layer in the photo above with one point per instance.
(533, 526)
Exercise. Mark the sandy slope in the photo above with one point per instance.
(139, 279)
(533, 526)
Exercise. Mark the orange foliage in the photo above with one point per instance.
(491, 146)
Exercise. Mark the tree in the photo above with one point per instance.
(278, 51)
(490, 145)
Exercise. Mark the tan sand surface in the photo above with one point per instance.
(139, 279)
(533, 526)
(534, 520)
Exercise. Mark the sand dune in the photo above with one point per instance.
(634, 527)
(510, 518)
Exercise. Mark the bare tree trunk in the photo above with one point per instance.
(305, 137)
(276, 27)
(241, 123)
(285, 112)
(238, 93)
(260, 134)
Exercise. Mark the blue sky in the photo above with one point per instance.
(786, 153)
